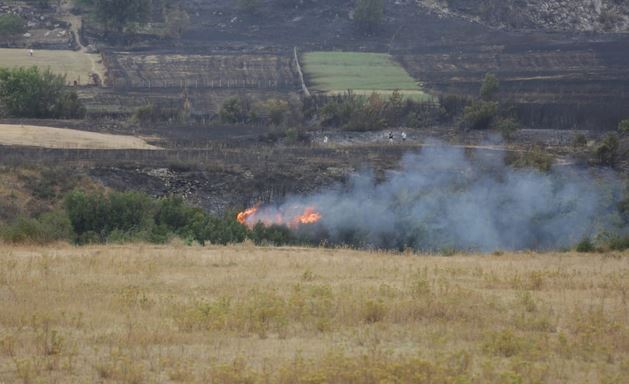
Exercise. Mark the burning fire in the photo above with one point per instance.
(292, 217)
(243, 216)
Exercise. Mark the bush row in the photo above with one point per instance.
(119, 217)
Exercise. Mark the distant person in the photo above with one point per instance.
(390, 137)
(30, 52)
(325, 139)
(404, 136)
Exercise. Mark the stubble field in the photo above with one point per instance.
(241, 314)
(76, 66)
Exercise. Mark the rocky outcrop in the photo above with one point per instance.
(558, 15)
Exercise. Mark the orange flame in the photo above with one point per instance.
(243, 216)
(310, 216)
(253, 215)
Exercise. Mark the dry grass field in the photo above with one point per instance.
(48, 137)
(149, 314)
(75, 65)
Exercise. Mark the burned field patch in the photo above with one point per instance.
(579, 85)
(220, 71)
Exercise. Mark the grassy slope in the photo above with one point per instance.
(241, 314)
(75, 65)
(360, 72)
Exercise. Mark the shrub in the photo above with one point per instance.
(49, 227)
(11, 25)
(623, 126)
(95, 216)
(606, 152)
(580, 141)
(506, 126)
(237, 110)
(151, 113)
(271, 235)
(28, 92)
(277, 110)
(535, 158)
(480, 114)
(585, 246)
(619, 242)
(177, 20)
(490, 87)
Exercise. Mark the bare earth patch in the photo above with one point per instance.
(48, 137)
(242, 314)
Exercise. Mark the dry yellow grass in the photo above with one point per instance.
(136, 314)
(48, 137)
(75, 65)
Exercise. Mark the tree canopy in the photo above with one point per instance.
(29, 92)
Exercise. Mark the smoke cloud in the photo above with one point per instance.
(443, 198)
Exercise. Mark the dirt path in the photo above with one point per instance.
(76, 23)
(48, 137)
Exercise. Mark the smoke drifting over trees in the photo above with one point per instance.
(442, 198)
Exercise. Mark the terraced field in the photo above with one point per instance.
(261, 71)
(362, 73)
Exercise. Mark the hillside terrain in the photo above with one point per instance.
(558, 15)
(290, 315)
(561, 91)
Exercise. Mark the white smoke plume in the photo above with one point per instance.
(442, 198)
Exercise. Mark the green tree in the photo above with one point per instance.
(11, 25)
(490, 86)
(480, 114)
(117, 14)
(623, 126)
(29, 92)
(369, 14)
(237, 110)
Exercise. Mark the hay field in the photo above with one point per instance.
(240, 314)
(75, 65)
(363, 73)
(48, 137)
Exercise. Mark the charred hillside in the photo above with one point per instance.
(556, 15)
